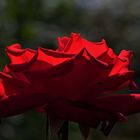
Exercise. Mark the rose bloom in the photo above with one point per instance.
(76, 82)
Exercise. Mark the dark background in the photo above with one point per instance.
(36, 23)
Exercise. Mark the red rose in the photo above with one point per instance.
(76, 78)
(80, 67)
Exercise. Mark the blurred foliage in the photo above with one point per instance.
(36, 23)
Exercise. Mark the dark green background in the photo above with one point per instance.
(36, 23)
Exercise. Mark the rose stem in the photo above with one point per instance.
(63, 134)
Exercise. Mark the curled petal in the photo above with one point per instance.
(18, 55)
(124, 103)
(108, 56)
(126, 55)
(62, 42)
(76, 43)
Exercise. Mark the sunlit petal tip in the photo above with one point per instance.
(103, 40)
(60, 44)
(79, 54)
(124, 54)
(22, 66)
(77, 35)
(14, 46)
(83, 53)
(5, 70)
